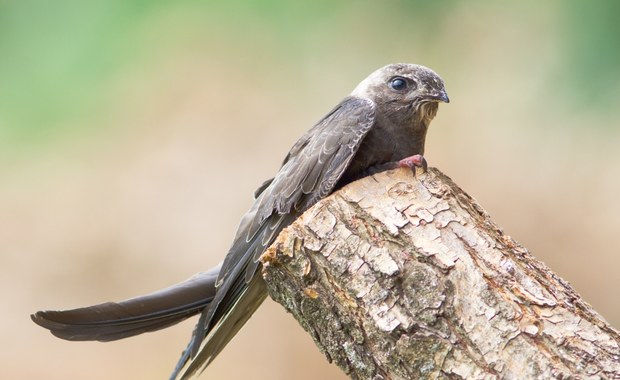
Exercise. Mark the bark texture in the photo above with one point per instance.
(397, 277)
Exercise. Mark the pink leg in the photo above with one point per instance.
(413, 162)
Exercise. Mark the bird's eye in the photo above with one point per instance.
(398, 83)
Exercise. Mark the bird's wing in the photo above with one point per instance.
(310, 171)
(353, 115)
(262, 188)
(317, 161)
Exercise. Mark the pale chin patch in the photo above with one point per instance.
(429, 110)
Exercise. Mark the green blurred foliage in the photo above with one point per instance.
(59, 58)
(591, 44)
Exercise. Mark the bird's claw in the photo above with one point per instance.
(413, 162)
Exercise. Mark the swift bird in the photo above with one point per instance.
(381, 125)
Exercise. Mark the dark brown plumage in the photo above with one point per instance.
(112, 321)
(381, 125)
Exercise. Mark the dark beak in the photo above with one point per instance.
(440, 96)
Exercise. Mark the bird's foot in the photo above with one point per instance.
(413, 162)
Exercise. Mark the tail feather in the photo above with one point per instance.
(112, 321)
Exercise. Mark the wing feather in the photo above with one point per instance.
(309, 172)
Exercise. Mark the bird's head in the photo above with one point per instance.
(404, 91)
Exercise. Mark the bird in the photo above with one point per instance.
(381, 125)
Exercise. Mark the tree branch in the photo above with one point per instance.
(403, 278)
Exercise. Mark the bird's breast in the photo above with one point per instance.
(382, 145)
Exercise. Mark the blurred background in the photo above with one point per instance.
(133, 134)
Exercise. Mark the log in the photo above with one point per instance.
(398, 276)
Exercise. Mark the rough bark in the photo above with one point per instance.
(397, 277)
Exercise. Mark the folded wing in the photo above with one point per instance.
(310, 172)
